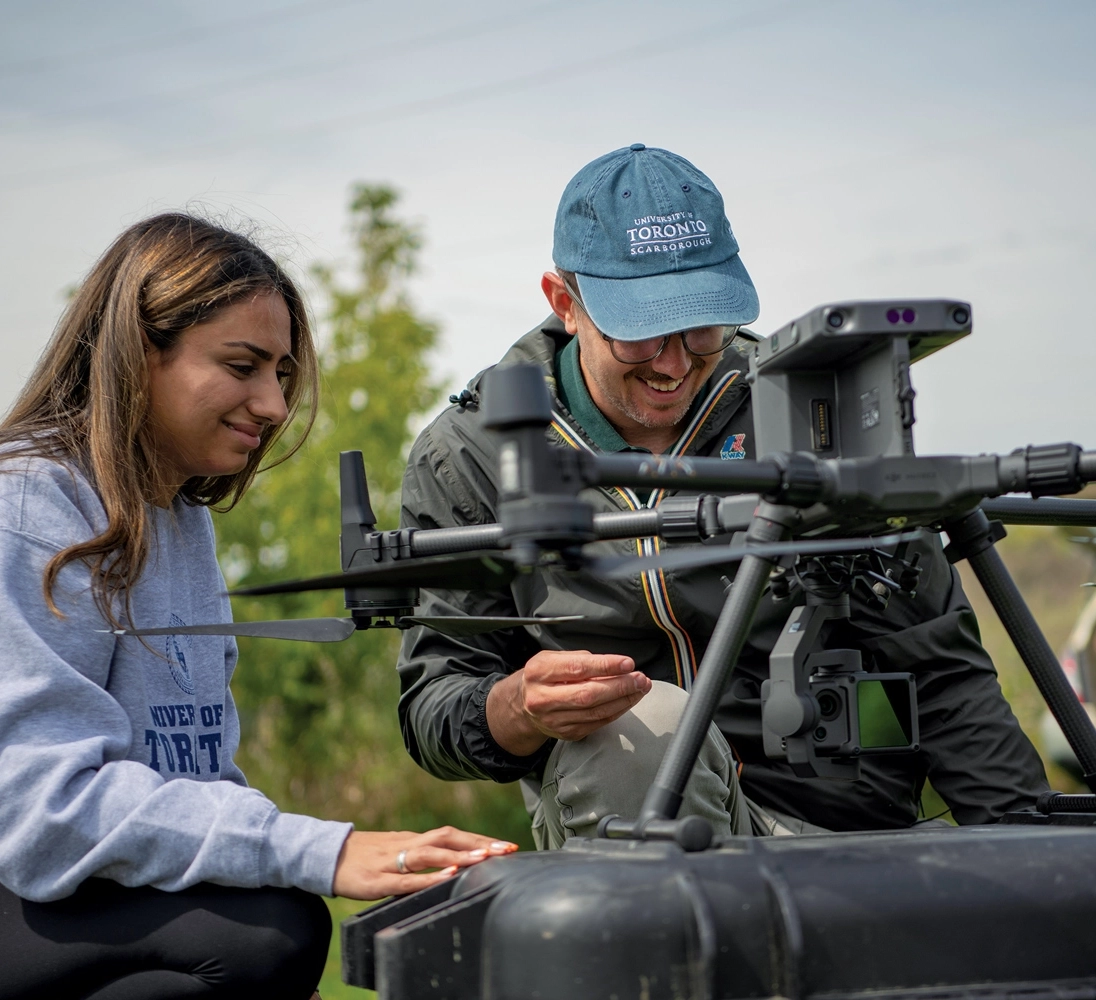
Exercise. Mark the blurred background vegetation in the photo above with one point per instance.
(320, 734)
(320, 726)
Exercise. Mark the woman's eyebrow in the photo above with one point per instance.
(253, 348)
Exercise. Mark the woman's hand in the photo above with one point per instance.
(369, 865)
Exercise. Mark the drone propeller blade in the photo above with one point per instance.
(305, 629)
(617, 568)
(458, 626)
(487, 570)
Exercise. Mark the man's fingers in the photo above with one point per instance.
(594, 718)
(544, 700)
(556, 667)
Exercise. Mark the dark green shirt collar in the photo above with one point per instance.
(576, 397)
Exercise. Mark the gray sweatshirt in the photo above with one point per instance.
(116, 759)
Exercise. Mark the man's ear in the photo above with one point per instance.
(561, 302)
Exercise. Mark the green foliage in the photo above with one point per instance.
(320, 733)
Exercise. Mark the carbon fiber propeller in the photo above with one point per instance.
(338, 629)
(486, 570)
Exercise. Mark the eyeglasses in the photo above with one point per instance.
(701, 342)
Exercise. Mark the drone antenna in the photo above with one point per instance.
(358, 519)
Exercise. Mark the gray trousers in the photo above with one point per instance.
(610, 771)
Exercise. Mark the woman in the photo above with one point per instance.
(134, 860)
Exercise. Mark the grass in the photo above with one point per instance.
(331, 985)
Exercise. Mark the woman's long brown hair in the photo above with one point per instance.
(87, 401)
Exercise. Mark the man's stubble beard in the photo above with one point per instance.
(644, 417)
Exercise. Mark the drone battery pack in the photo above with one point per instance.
(836, 382)
(978, 912)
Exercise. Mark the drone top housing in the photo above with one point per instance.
(836, 381)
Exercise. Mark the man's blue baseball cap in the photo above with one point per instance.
(647, 236)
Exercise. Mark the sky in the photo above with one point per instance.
(864, 148)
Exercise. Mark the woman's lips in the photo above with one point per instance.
(248, 433)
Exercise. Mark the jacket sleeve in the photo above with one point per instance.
(72, 805)
(977, 757)
(444, 682)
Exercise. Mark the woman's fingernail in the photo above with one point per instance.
(479, 852)
(451, 870)
(503, 845)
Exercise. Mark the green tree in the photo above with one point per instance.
(320, 733)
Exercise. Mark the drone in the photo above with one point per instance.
(655, 908)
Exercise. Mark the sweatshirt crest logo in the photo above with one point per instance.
(176, 658)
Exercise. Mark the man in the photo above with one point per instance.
(639, 355)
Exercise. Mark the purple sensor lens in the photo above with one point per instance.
(892, 316)
(908, 315)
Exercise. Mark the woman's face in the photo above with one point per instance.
(218, 388)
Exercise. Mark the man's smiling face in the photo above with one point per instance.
(647, 403)
(655, 395)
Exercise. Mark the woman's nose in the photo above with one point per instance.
(269, 402)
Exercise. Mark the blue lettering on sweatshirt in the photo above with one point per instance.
(150, 740)
(184, 753)
(169, 757)
(170, 716)
(211, 742)
(176, 750)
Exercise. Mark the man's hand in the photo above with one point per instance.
(562, 694)
(372, 865)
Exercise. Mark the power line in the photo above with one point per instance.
(160, 43)
(397, 49)
(21, 180)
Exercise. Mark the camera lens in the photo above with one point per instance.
(836, 319)
(829, 705)
(820, 733)
(960, 315)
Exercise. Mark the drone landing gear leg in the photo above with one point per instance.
(660, 807)
(972, 538)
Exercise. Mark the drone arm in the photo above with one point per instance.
(684, 518)
(1046, 510)
(444, 541)
(684, 473)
